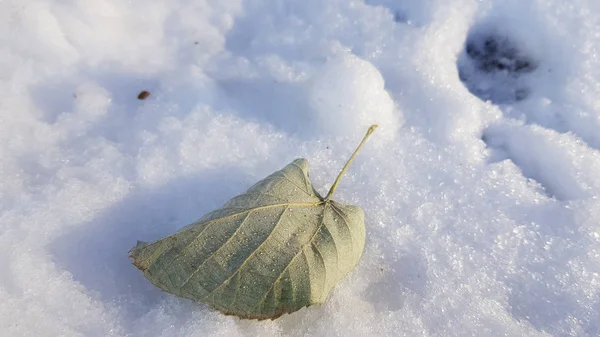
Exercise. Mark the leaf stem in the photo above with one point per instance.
(339, 177)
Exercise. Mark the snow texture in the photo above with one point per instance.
(480, 188)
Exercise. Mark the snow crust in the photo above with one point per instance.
(480, 187)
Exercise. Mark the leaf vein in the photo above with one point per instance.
(262, 193)
(253, 252)
(294, 183)
(347, 226)
(306, 182)
(211, 222)
(337, 253)
(297, 254)
(216, 251)
(324, 269)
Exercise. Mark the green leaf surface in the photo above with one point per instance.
(272, 250)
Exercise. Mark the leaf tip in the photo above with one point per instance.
(139, 255)
(302, 163)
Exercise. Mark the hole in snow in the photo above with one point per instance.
(494, 67)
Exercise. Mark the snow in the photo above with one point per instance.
(480, 186)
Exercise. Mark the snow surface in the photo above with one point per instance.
(480, 187)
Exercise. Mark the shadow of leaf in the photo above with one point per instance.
(96, 252)
(407, 274)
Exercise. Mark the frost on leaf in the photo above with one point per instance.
(274, 249)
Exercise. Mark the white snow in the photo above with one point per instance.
(483, 217)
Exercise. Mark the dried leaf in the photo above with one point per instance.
(272, 250)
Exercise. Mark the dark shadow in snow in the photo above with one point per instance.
(529, 65)
(507, 66)
(493, 66)
(96, 252)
